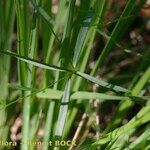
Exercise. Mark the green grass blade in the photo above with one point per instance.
(63, 111)
(49, 124)
(81, 37)
(66, 52)
(34, 62)
(46, 32)
(57, 94)
(102, 83)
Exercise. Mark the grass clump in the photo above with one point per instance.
(75, 71)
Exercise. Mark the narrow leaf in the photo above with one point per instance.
(102, 83)
(34, 62)
(57, 94)
(63, 111)
(81, 37)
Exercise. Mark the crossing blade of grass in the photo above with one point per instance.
(102, 83)
(56, 94)
(117, 32)
(55, 68)
(34, 62)
(63, 111)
